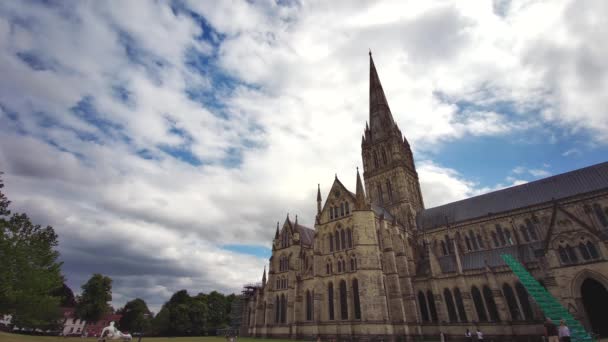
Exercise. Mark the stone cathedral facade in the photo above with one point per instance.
(379, 265)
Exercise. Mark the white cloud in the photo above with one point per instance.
(571, 152)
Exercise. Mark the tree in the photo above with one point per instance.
(160, 322)
(199, 313)
(30, 272)
(218, 310)
(93, 303)
(135, 316)
(66, 296)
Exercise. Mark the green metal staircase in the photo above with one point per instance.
(550, 306)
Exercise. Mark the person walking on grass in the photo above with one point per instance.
(551, 331)
(564, 332)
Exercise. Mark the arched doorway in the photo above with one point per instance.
(595, 301)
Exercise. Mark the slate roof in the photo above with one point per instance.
(585, 180)
(307, 235)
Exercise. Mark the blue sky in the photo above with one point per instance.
(174, 135)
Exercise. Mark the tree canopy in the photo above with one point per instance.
(95, 298)
(198, 315)
(30, 273)
(135, 316)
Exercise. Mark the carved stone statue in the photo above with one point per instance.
(113, 334)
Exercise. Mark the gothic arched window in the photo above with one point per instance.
(331, 242)
(496, 244)
(522, 294)
(375, 160)
(341, 209)
(431, 301)
(384, 161)
(349, 237)
(389, 190)
(277, 310)
(531, 230)
(449, 303)
(583, 250)
(353, 264)
(460, 305)
(443, 248)
(480, 241)
(330, 301)
(601, 216)
(343, 238)
(587, 249)
(501, 235)
(524, 233)
(508, 237)
(479, 306)
(339, 266)
(592, 250)
(491, 304)
(423, 309)
(473, 240)
(308, 306)
(283, 309)
(347, 209)
(380, 199)
(343, 300)
(511, 302)
(356, 301)
(449, 244)
(337, 240)
(468, 243)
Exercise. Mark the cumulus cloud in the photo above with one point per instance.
(151, 134)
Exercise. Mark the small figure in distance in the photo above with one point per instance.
(468, 336)
(564, 331)
(551, 331)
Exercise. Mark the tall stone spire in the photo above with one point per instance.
(391, 180)
(380, 117)
(360, 194)
(264, 276)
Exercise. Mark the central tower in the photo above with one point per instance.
(391, 180)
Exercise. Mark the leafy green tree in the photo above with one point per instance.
(30, 272)
(160, 322)
(96, 293)
(135, 316)
(218, 310)
(66, 296)
(199, 313)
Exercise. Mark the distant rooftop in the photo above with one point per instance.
(585, 180)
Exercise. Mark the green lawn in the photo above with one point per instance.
(5, 337)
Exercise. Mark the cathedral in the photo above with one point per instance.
(378, 265)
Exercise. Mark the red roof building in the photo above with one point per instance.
(94, 329)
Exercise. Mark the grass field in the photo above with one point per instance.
(6, 337)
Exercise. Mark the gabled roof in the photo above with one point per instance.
(339, 184)
(307, 235)
(585, 180)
